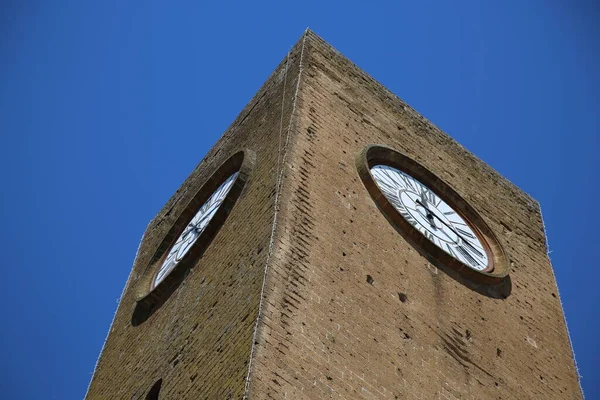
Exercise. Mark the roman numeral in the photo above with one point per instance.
(218, 195)
(452, 253)
(429, 235)
(394, 178)
(406, 215)
(397, 203)
(457, 222)
(470, 240)
(431, 197)
(473, 250)
(409, 218)
(164, 270)
(386, 188)
(179, 243)
(470, 260)
(184, 248)
(465, 233)
(379, 174)
(408, 182)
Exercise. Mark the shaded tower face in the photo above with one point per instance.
(335, 244)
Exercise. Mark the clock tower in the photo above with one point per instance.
(336, 244)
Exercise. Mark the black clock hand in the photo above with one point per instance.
(184, 242)
(191, 227)
(429, 214)
(449, 227)
(448, 236)
(206, 215)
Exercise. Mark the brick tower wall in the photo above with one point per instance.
(413, 331)
(199, 341)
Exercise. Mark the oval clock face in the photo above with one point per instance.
(433, 217)
(194, 229)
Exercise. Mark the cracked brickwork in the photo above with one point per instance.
(349, 309)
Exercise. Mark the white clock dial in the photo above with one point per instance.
(431, 216)
(194, 229)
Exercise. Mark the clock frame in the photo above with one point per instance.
(148, 293)
(373, 155)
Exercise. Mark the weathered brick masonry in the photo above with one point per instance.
(324, 330)
(415, 332)
(199, 341)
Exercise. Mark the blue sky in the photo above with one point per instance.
(106, 107)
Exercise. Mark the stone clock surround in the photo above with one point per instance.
(376, 154)
(309, 292)
(150, 298)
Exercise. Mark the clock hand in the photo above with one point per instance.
(448, 236)
(191, 227)
(429, 215)
(212, 209)
(185, 241)
(182, 240)
(429, 212)
(449, 227)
